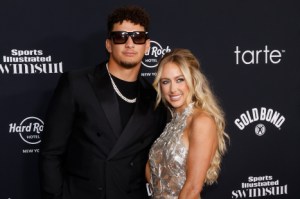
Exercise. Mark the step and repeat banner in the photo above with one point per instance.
(249, 50)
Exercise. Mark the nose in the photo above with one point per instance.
(173, 87)
(129, 43)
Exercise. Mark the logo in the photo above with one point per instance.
(262, 56)
(154, 54)
(29, 62)
(29, 129)
(260, 186)
(260, 115)
(260, 129)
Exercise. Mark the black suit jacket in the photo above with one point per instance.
(85, 153)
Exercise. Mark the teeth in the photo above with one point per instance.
(176, 97)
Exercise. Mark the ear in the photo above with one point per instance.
(108, 45)
(148, 45)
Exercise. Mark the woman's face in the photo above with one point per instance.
(174, 87)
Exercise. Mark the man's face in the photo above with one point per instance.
(128, 54)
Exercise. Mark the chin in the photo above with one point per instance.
(129, 64)
(176, 105)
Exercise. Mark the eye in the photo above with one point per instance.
(181, 79)
(164, 81)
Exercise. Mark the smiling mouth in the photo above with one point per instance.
(175, 97)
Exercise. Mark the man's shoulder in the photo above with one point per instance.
(147, 86)
(145, 83)
(82, 72)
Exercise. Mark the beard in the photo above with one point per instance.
(129, 65)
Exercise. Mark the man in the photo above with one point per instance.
(101, 121)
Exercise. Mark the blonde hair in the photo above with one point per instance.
(202, 96)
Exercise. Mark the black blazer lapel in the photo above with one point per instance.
(137, 120)
(108, 100)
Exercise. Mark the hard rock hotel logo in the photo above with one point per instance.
(29, 62)
(154, 54)
(260, 187)
(29, 129)
(152, 57)
(260, 116)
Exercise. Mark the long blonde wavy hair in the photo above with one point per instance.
(202, 96)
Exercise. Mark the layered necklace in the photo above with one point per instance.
(118, 91)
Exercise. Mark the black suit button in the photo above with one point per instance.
(100, 188)
(131, 164)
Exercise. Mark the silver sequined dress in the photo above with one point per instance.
(167, 158)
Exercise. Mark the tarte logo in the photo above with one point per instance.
(262, 56)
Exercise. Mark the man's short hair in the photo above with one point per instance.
(132, 13)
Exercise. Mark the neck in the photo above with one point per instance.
(125, 74)
(182, 109)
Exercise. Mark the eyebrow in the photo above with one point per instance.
(179, 76)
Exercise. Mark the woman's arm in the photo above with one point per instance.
(147, 171)
(202, 141)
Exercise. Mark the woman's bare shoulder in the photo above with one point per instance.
(201, 121)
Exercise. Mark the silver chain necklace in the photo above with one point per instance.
(118, 91)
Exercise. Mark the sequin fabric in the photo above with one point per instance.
(167, 158)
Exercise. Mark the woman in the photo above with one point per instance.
(188, 152)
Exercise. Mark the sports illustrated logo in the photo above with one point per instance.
(154, 54)
(263, 56)
(260, 115)
(29, 62)
(260, 186)
(29, 129)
